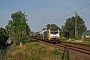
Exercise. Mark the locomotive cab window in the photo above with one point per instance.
(54, 32)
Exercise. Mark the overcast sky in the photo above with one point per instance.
(42, 12)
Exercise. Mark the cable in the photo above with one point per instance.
(69, 7)
(83, 7)
(65, 10)
(77, 10)
(86, 15)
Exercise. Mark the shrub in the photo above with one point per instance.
(34, 51)
(3, 36)
(87, 39)
(55, 52)
(17, 42)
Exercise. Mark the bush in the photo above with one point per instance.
(3, 36)
(87, 39)
(33, 51)
(17, 42)
(55, 52)
(24, 39)
(64, 39)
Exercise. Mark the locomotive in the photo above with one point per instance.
(51, 35)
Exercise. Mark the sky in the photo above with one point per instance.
(42, 12)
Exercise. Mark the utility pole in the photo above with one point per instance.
(76, 32)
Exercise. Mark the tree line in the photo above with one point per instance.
(19, 30)
(68, 29)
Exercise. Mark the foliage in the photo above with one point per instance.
(87, 40)
(3, 36)
(28, 31)
(18, 25)
(17, 42)
(48, 26)
(70, 27)
(33, 51)
(43, 29)
(63, 39)
(55, 52)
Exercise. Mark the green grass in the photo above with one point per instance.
(32, 51)
(86, 40)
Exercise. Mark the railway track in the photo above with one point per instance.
(76, 51)
(83, 48)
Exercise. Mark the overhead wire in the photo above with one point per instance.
(69, 7)
(76, 10)
(83, 7)
(86, 15)
(61, 12)
(64, 10)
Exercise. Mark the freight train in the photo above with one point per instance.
(50, 35)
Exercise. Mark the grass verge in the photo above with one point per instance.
(32, 51)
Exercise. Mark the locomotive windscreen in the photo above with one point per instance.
(54, 32)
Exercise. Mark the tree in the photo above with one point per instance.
(70, 27)
(18, 25)
(3, 36)
(28, 30)
(9, 28)
(48, 26)
(43, 29)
